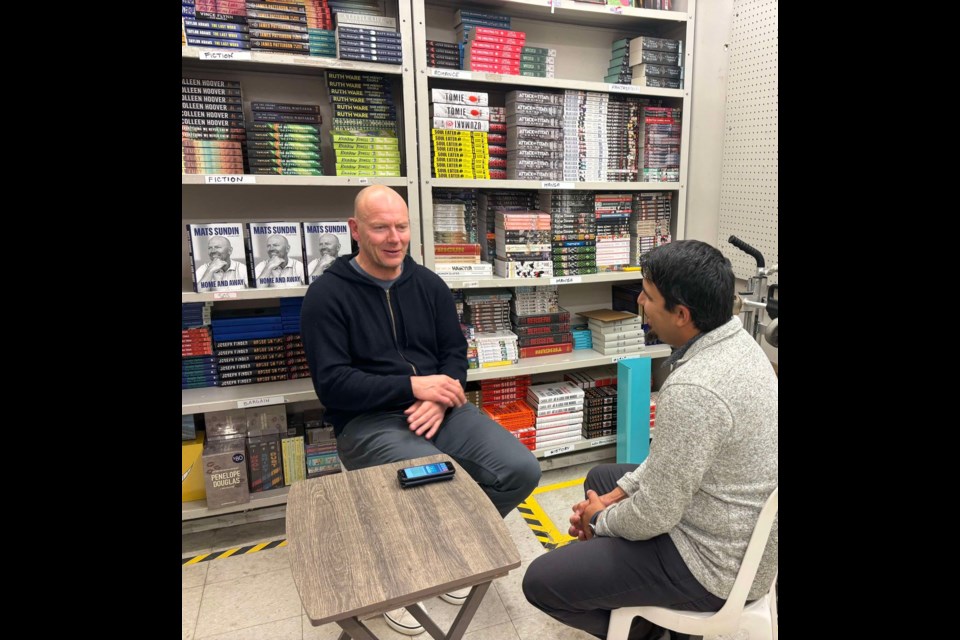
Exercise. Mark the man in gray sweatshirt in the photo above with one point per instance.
(672, 531)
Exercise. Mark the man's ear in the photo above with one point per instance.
(683, 315)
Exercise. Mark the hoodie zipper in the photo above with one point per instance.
(393, 325)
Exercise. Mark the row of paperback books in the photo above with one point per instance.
(283, 254)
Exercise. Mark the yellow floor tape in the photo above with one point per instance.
(538, 520)
(229, 553)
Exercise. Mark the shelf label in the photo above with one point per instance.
(469, 284)
(557, 450)
(557, 185)
(625, 356)
(363, 180)
(493, 77)
(596, 442)
(224, 295)
(616, 10)
(566, 280)
(225, 54)
(452, 73)
(230, 179)
(260, 402)
(626, 88)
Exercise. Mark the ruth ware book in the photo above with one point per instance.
(217, 257)
(276, 253)
(325, 242)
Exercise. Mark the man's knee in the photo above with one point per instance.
(527, 474)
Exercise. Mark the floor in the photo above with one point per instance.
(252, 597)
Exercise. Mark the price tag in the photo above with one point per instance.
(617, 10)
(225, 54)
(624, 356)
(469, 284)
(260, 402)
(363, 180)
(494, 77)
(451, 73)
(596, 442)
(557, 185)
(557, 450)
(553, 3)
(230, 179)
(224, 295)
(566, 280)
(626, 88)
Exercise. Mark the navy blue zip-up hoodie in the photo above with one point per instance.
(363, 343)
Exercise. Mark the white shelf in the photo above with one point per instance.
(457, 183)
(283, 62)
(570, 12)
(187, 294)
(198, 508)
(548, 451)
(287, 391)
(551, 83)
(563, 362)
(495, 282)
(223, 398)
(295, 181)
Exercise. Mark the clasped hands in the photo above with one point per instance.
(584, 510)
(434, 394)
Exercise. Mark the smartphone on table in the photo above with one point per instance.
(425, 473)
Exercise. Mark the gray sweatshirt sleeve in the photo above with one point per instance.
(690, 428)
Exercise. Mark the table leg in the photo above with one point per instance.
(459, 627)
(353, 628)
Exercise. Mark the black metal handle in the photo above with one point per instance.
(743, 246)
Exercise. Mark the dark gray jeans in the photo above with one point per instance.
(580, 583)
(505, 469)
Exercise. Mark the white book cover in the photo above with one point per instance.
(325, 242)
(218, 257)
(276, 250)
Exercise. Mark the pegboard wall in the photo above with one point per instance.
(749, 207)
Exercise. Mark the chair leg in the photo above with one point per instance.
(620, 622)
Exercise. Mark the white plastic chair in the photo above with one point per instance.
(759, 618)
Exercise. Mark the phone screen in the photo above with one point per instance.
(425, 470)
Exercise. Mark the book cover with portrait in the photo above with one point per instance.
(276, 253)
(325, 242)
(217, 257)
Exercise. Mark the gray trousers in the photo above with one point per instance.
(505, 469)
(580, 583)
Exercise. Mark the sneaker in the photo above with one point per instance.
(402, 621)
(456, 597)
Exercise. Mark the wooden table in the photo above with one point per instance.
(361, 545)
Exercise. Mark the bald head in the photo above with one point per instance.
(278, 245)
(377, 198)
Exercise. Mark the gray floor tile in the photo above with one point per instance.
(246, 534)
(247, 602)
(540, 626)
(189, 607)
(194, 575)
(490, 613)
(503, 631)
(527, 543)
(511, 593)
(286, 629)
(568, 473)
(234, 567)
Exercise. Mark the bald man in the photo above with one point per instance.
(329, 246)
(279, 270)
(221, 268)
(389, 363)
